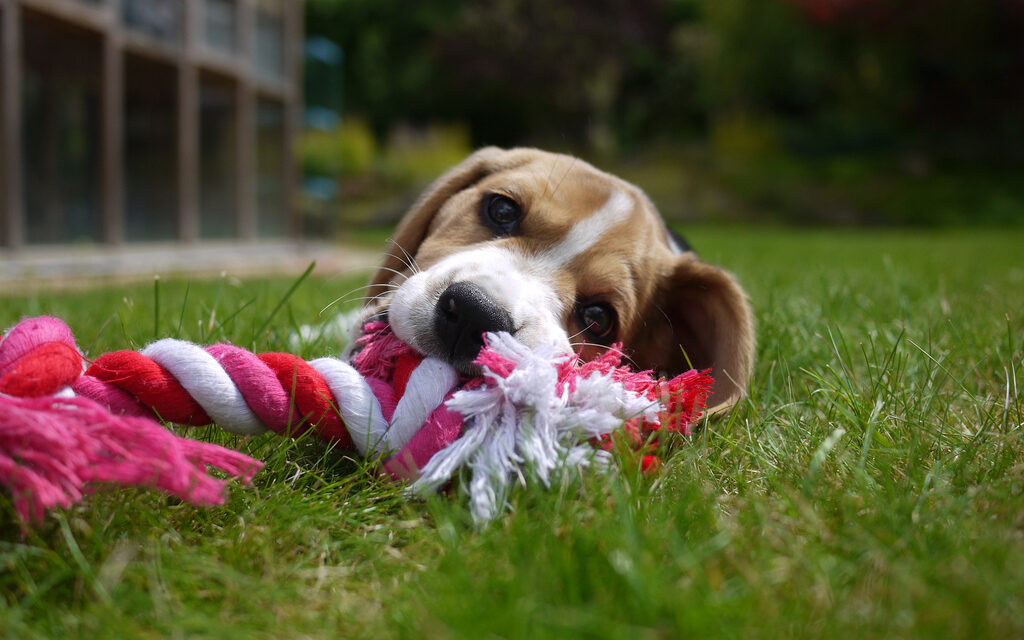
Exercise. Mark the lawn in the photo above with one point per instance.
(870, 485)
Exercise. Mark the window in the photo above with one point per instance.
(271, 165)
(5, 177)
(217, 157)
(60, 131)
(150, 150)
(220, 21)
(269, 38)
(158, 19)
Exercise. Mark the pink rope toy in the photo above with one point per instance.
(531, 413)
(52, 445)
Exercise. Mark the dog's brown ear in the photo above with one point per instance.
(413, 228)
(703, 320)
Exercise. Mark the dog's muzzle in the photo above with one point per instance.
(464, 313)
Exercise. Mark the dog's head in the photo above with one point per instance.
(552, 250)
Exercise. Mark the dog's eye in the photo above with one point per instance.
(598, 321)
(501, 213)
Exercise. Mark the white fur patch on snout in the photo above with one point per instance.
(505, 277)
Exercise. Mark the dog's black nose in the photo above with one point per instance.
(464, 313)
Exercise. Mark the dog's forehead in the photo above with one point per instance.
(573, 214)
(589, 225)
(560, 194)
(556, 183)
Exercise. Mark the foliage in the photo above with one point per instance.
(851, 74)
(378, 180)
(415, 156)
(391, 67)
(869, 486)
(922, 98)
(346, 151)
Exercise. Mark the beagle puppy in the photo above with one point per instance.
(550, 249)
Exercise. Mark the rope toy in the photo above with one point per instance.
(53, 445)
(530, 413)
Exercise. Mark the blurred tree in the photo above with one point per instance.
(946, 71)
(391, 67)
(514, 70)
(940, 76)
(554, 71)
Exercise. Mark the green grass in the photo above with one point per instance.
(869, 486)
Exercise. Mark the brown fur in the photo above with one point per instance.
(672, 309)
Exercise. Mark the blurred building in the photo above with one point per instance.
(139, 120)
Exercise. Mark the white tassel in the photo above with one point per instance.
(519, 428)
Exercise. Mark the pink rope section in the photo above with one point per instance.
(370, 407)
(53, 448)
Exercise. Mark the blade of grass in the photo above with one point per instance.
(284, 299)
(156, 307)
(184, 303)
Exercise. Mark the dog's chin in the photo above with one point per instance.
(467, 369)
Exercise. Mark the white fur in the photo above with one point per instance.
(521, 283)
(505, 276)
(587, 232)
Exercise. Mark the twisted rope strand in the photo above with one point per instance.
(247, 393)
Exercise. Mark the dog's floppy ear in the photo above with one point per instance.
(702, 319)
(413, 228)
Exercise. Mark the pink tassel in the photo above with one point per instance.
(52, 448)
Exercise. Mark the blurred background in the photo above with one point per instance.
(811, 112)
(128, 121)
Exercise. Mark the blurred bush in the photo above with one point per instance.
(745, 139)
(372, 183)
(346, 151)
(417, 155)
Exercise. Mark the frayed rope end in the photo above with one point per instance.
(53, 449)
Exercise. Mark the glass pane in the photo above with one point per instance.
(60, 131)
(271, 214)
(220, 19)
(217, 158)
(269, 38)
(150, 150)
(5, 240)
(322, 83)
(159, 19)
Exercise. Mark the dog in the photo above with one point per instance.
(554, 251)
